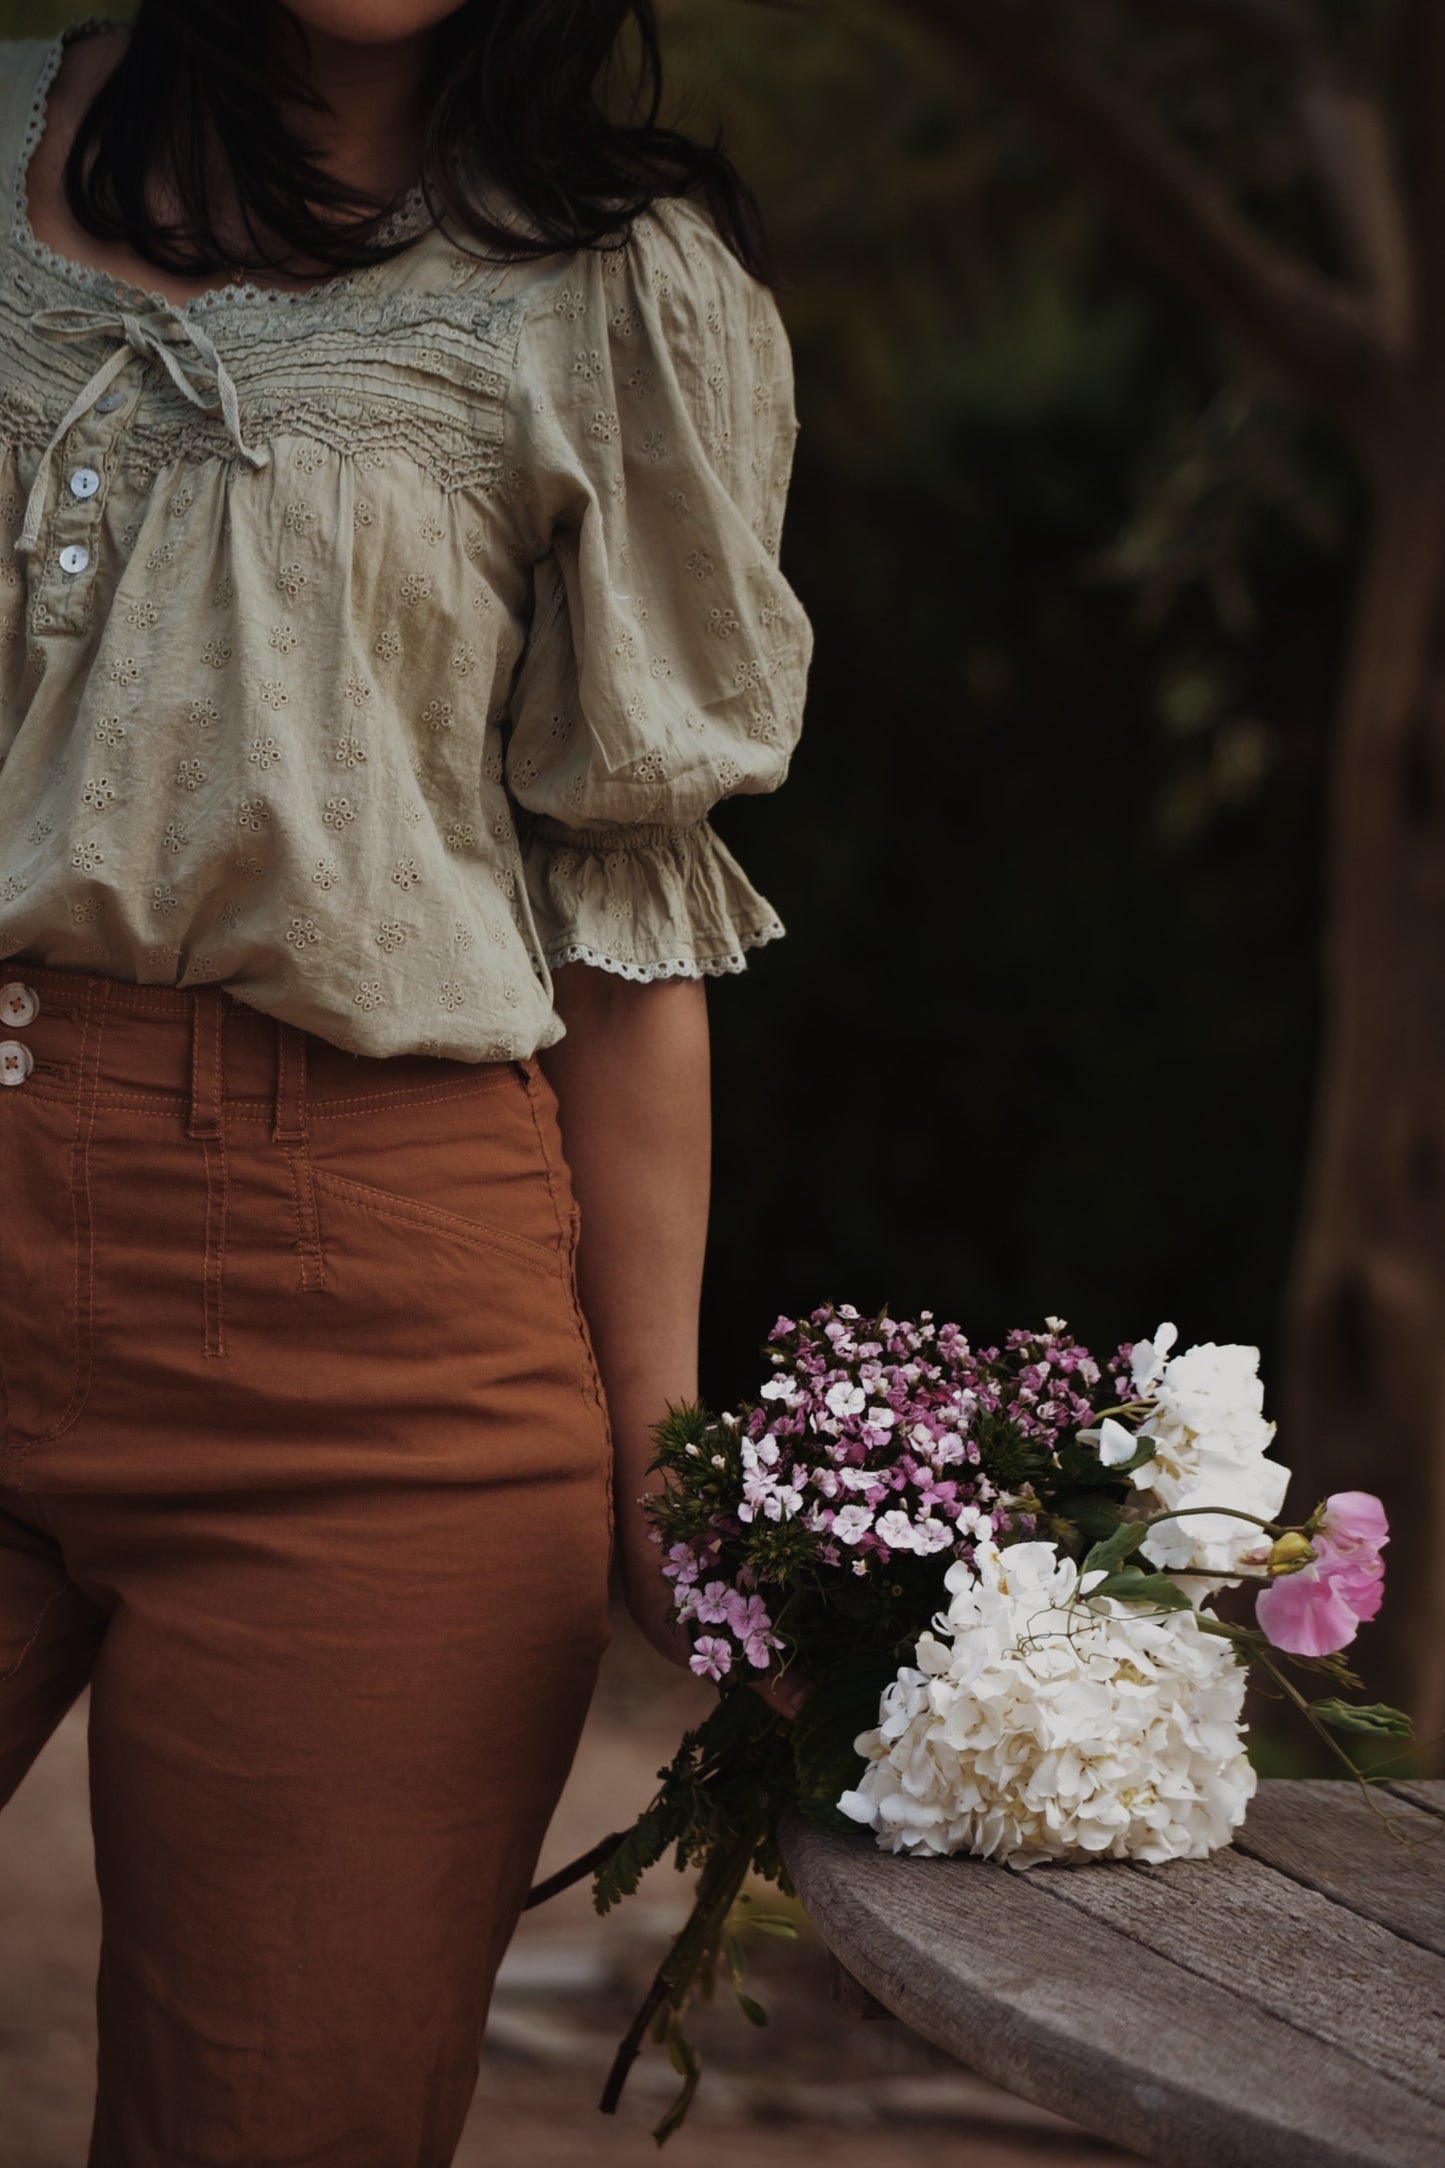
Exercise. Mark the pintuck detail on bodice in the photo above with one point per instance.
(375, 648)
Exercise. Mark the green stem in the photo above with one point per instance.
(1179, 1513)
(717, 1888)
(1207, 1573)
(1310, 1718)
(587, 1864)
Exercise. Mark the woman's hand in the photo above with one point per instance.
(650, 1605)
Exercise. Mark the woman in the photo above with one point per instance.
(392, 459)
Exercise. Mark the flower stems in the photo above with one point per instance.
(565, 1876)
(718, 1885)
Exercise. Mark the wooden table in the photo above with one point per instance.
(1280, 2003)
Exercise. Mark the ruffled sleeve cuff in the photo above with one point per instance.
(644, 901)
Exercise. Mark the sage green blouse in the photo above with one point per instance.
(374, 649)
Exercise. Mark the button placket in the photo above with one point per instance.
(71, 548)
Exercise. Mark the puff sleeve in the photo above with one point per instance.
(666, 658)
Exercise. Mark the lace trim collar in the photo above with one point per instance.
(92, 279)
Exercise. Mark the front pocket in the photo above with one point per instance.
(467, 1165)
(434, 1219)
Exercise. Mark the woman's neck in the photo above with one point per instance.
(378, 93)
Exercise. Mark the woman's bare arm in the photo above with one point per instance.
(632, 1078)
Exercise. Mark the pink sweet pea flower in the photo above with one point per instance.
(1319, 1609)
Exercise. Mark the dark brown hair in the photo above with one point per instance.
(536, 100)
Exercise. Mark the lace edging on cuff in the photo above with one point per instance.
(679, 967)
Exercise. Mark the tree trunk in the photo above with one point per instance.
(1364, 1395)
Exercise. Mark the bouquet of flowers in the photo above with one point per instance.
(993, 1568)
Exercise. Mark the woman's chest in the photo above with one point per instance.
(333, 468)
(421, 369)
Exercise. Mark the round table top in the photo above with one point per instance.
(1282, 2001)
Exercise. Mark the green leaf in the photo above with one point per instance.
(1133, 1586)
(1143, 1451)
(1370, 1716)
(841, 1704)
(1113, 1551)
(642, 1847)
(752, 2011)
(683, 2058)
(1094, 1513)
(769, 1923)
(737, 1717)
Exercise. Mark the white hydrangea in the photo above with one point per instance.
(1039, 1732)
(1211, 1438)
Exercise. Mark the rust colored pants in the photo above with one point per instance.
(306, 1472)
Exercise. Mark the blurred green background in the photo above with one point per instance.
(1042, 1034)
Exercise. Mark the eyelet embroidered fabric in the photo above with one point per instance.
(389, 646)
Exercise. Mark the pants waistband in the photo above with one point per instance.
(211, 1056)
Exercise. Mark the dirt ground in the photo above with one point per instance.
(869, 2092)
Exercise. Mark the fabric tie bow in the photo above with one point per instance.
(166, 335)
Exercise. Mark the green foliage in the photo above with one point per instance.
(841, 1704)
(1112, 1552)
(1132, 1585)
(1375, 1718)
(1010, 1460)
(1082, 1518)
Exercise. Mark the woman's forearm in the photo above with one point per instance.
(633, 1088)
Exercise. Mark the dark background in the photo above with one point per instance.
(1041, 1037)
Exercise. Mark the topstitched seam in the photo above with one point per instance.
(53, 1598)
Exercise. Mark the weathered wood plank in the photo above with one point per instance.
(1071, 2013)
(1381, 1857)
(1279, 1947)
(1429, 1794)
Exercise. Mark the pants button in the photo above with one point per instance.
(19, 1004)
(16, 1062)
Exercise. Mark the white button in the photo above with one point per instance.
(109, 403)
(84, 482)
(19, 1005)
(16, 1062)
(73, 558)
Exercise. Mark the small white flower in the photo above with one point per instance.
(858, 1478)
(852, 1523)
(972, 1521)
(931, 1534)
(844, 1399)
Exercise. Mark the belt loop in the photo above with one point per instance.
(207, 1062)
(290, 1123)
